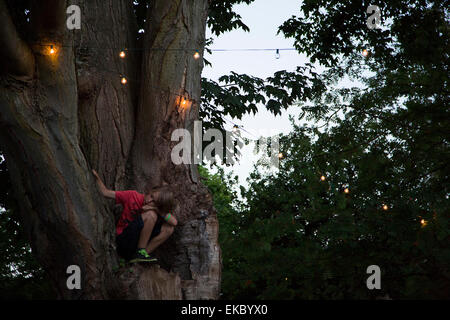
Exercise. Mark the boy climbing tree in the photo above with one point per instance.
(145, 223)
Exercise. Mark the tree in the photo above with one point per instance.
(66, 112)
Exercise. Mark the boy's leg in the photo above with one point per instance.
(149, 219)
(166, 232)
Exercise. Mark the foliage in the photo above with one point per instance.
(326, 238)
(222, 18)
(241, 93)
(332, 31)
(21, 277)
(386, 142)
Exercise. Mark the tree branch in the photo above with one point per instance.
(15, 55)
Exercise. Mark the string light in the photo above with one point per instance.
(184, 102)
(241, 128)
(183, 49)
(123, 80)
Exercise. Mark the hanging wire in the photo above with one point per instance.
(124, 79)
(235, 125)
(195, 50)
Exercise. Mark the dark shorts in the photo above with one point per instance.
(127, 241)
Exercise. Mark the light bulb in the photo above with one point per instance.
(52, 51)
(122, 54)
(365, 53)
(385, 207)
(235, 128)
(280, 155)
(346, 190)
(277, 54)
(196, 55)
(423, 222)
(123, 80)
(322, 178)
(184, 102)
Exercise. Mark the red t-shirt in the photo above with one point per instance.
(132, 202)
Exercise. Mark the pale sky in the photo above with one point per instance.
(263, 17)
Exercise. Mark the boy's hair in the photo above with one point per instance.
(163, 198)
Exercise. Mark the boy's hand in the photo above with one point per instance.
(95, 174)
(103, 190)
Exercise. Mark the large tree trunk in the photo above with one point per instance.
(62, 114)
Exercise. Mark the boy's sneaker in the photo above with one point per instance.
(141, 255)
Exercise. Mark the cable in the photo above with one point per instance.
(253, 49)
(125, 48)
(124, 79)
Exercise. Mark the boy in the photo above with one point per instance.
(145, 222)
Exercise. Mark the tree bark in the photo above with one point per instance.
(63, 114)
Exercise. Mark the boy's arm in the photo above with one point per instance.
(102, 188)
(170, 219)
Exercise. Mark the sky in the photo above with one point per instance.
(263, 17)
